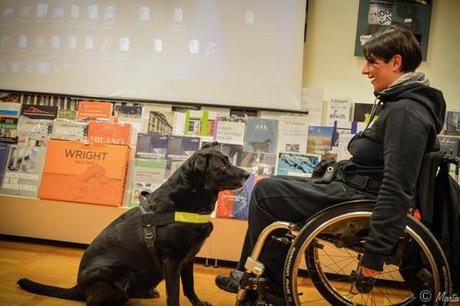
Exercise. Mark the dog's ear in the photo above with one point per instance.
(210, 145)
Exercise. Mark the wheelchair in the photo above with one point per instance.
(325, 252)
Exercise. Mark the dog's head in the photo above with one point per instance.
(215, 171)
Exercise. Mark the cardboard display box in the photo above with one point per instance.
(85, 173)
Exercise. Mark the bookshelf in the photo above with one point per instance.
(80, 223)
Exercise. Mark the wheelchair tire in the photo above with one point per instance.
(341, 230)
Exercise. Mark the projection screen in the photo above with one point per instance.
(221, 52)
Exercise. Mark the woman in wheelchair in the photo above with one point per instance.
(385, 164)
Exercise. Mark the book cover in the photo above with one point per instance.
(151, 146)
(243, 113)
(319, 139)
(362, 111)
(10, 109)
(259, 163)
(39, 111)
(161, 122)
(109, 132)
(179, 124)
(147, 176)
(33, 132)
(292, 135)
(9, 129)
(23, 171)
(181, 147)
(85, 173)
(453, 123)
(297, 164)
(230, 130)
(67, 114)
(128, 111)
(341, 128)
(234, 152)
(342, 146)
(235, 203)
(338, 109)
(69, 130)
(200, 123)
(88, 110)
(450, 144)
(260, 135)
(4, 152)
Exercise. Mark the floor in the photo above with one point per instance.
(58, 265)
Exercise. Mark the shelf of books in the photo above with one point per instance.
(69, 166)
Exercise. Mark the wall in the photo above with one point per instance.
(329, 62)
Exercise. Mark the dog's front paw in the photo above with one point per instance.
(202, 303)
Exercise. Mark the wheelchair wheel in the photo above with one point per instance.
(326, 252)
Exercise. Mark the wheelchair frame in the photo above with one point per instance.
(304, 240)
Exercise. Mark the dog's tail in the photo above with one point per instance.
(63, 293)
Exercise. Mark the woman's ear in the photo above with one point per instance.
(396, 63)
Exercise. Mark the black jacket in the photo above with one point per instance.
(411, 116)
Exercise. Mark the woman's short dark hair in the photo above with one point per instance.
(393, 40)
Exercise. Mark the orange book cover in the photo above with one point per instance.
(94, 110)
(86, 173)
(109, 132)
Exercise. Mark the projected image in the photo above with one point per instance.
(232, 53)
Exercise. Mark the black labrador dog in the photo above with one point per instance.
(155, 241)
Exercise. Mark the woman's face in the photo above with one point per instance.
(382, 74)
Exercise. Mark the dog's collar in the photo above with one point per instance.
(188, 217)
(174, 216)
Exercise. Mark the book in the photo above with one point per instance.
(260, 135)
(39, 111)
(235, 203)
(180, 148)
(450, 144)
(297, 164)
(453, 123)
(67, 114)
(10, 109)
(88, 110)
(151, 146)
(85, 173)
(147, 176)
(292, 134)
(312, 101)
(319, 139)
(243, 113)
(109, 132)
(8, 129)
(338, 109)
(179, 124)
(200, 123)
(259, 163)
(161, 122)
(234, 152)
(4, 151)
(33, 132)
(23, 171)
(128, 111)
(362, 111)
(69, 130)
(230, 130)
(340, 128)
